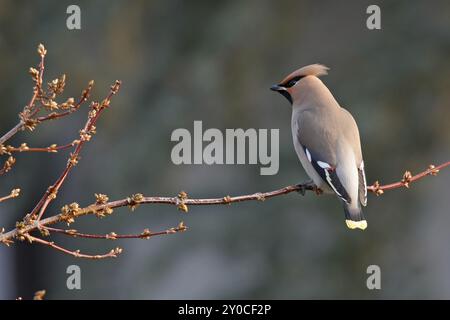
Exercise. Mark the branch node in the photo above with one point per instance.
(433, 170)
(134, 200)
(406, 180)
(260, 197)
(377, 189)
(181, 198)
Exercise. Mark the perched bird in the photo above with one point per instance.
(326, 139)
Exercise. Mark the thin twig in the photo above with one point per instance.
(56, 115)
(7, 165)
(146, 234)
(14, 193)
(21, 124)
(28, 117)
(407, 179)
(77, 254)
(24, 148)
(85, 135)
(18, 127)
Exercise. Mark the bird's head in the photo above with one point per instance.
(291, 86)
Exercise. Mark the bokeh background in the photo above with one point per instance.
(214, 61)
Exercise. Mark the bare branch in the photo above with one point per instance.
(30, 108)
(407, 179)
(18, 127)
(14, 193)
(145, 234)
(77, 254)
(54, 148)
(85, 135)
(7, 166)
(104, 207)
(29, 118)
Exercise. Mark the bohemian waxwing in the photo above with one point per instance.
(326, 139)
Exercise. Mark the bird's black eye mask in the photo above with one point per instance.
(287, 84)
(291, 82)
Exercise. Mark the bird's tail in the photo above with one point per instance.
(354, 217)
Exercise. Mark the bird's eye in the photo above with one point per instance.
(292, 83)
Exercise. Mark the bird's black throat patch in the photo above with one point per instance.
(286, 95)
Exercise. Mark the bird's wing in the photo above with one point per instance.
(351, 133)
(362, 185)
(318, 142)
(329, 174)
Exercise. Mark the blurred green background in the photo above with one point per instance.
(214, 61)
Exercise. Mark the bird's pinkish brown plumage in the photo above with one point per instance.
(326, 140)
(311, 70)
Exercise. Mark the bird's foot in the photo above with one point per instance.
(308, 185)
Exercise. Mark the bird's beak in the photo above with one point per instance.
(283, 91)
(277, 87)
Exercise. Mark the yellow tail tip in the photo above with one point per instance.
(356, 224)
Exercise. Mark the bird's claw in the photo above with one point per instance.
(301, 189)
(318, 191)
(309, 185)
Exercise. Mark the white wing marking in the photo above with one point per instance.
(308, 154)
(364, 178)
(327, 174)
(323, 165)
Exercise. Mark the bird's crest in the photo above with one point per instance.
(311, 70)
